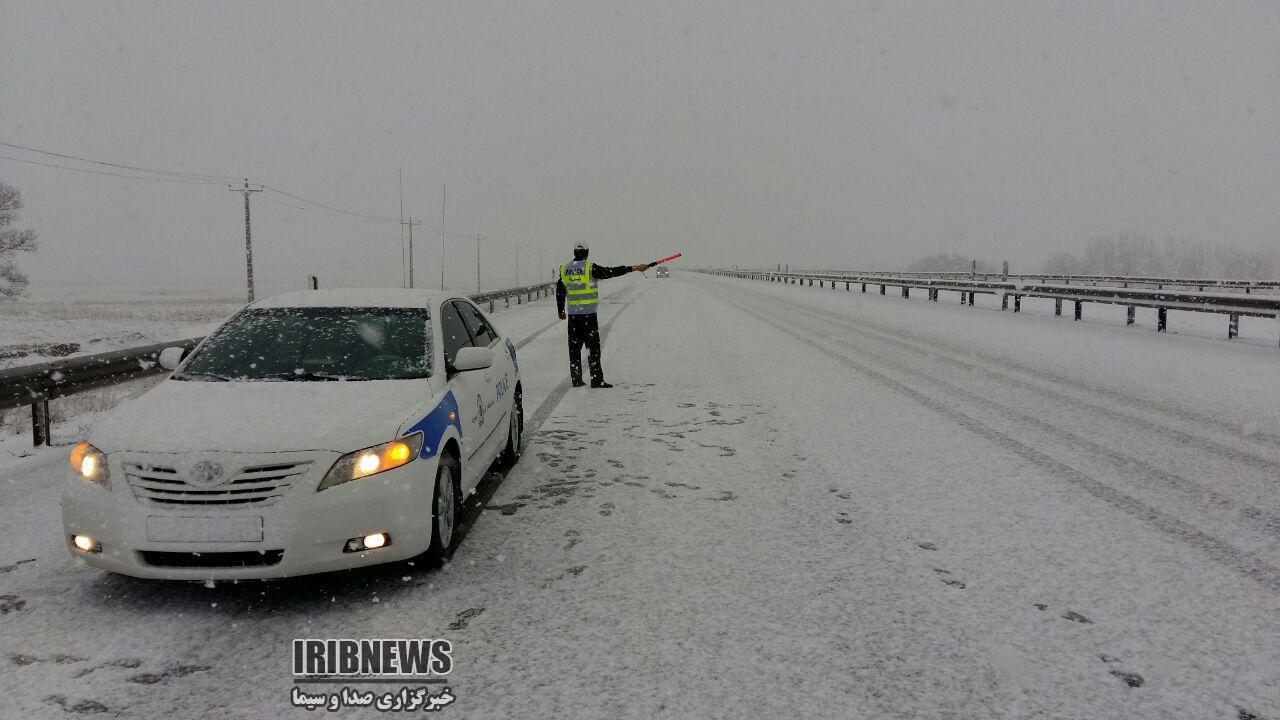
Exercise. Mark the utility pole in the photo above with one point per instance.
(411, 222)
(403, 262)
(444, 190)
(477, 263)
(248, 235)
(517, 284)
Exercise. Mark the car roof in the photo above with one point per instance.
(357, 297)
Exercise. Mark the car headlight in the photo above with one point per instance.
(89, 463)
(371, 461)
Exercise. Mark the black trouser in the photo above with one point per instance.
(584, 329)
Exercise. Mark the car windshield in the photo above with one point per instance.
(315, 343)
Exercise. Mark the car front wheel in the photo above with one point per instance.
(511, 453)
(446, 511)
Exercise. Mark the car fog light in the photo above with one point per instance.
(86, 544)
(372, 541)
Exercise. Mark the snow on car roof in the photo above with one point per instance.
(357, 297)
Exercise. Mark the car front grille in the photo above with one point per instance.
(255, 486)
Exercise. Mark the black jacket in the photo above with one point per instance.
(598, 272)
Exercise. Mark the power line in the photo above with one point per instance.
(304, 208)
(378, 218)
(188, 178)
(179, 181)
(173, 176)
(174, 173)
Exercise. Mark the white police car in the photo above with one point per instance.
(313, 431)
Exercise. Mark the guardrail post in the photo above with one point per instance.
(1079, 309)
(1233, 326)
(1057, 306)
(40, 433)
(1017, 303)
(1130, 315)
(1162, 319)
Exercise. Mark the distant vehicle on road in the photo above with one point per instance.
(664, 272)
(313, 431)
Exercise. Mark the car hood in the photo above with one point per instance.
(189, 415)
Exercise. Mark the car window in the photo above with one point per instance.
(481, 331)
(454, 331)
(315, 343)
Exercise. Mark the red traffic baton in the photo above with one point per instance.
(665, 259)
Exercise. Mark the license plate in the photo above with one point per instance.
(204, 529)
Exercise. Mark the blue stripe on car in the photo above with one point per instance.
(512, 349)
(433, 426)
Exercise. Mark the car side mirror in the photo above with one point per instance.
(472, 358)
(171, 357)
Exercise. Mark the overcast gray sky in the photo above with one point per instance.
(852, 134)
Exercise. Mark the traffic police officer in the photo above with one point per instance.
(577, 297)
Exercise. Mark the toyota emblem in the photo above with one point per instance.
(205, 474)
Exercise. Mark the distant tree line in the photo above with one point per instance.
(1134, 254)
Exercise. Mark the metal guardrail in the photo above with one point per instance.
(521, 294)
(36, 385)
(1123, 281)
(1234, 305)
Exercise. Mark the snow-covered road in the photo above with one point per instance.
(794, 504)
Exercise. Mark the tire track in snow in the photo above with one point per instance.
(474, 505)
(538, 332)
(1248, 564)
(1049, 376)
(1262, 520)
(555, 396)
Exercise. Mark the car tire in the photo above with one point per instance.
(515, 432)
(446, 511)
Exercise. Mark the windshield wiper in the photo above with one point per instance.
(306, 375)
(189, 375)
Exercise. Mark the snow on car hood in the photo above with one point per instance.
(262, 416)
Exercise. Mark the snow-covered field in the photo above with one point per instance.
(104, 319)
(795, 503)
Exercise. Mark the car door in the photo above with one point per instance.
(501, 377)
(468, 392)
(497, 381)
